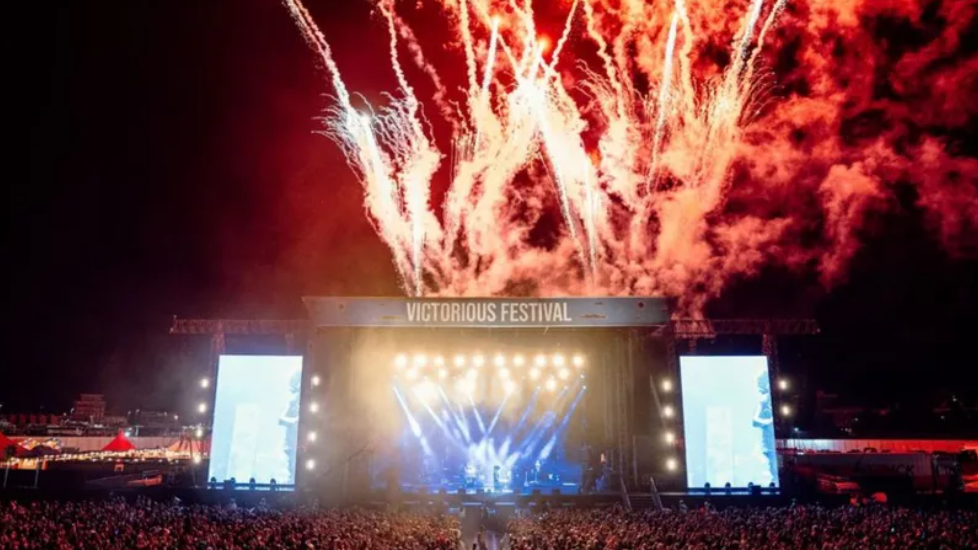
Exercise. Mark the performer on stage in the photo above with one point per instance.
(471, 475)
(764, 421)
(290, 420)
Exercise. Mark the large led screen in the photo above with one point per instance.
(256, 418)
(728, 421)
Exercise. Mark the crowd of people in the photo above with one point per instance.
(149, 525)
(787, 528)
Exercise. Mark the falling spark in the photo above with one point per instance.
(660, 120)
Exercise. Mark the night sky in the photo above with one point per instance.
(174, 170)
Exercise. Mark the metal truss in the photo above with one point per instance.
(238, 326)
(685, 329)
(682, 329)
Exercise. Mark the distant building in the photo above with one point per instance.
(29, 424)
(22, 421)
(154, 419)
(90, 407)
(115, 421)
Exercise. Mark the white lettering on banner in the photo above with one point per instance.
(488, 313)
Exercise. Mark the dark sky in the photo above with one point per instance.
(173, 170)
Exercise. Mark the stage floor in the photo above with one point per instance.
(566, 488)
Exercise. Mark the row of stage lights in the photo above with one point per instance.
(785, 408)
(414, 367)
(540, 360)
(311, 435)
(669, 436)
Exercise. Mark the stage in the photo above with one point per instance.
(497, 397)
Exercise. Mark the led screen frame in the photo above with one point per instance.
(256, 418)
(728, 421)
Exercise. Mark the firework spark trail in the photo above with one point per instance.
(466, 33)
(417, 55)
(525, 16)
(568, 25)
(382, 193)
(664, 92)
(609, 65)
(762, 36)
(484, 99)
(585, 143)
(317, 41)
(686, 78)
(768, 23)
(355, 136)
(562, 153)
(419, 162)
(725, 113)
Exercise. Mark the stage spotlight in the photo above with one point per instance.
(551, 385)
(202, 408)
(315, 380)
(460, 361)
(499, 361)
(504, 373)
(310, 464)
(509, 386)
(518, 360)
(785, 410)
(412, 374)
(311, 436)
(205, 383)
(401, 361)
(534, 374)
(540, 360)
(197, 459)
(443, 374)
(420, 360)
(783, 384)
(667, 385)
(314, 407)
(668, 411)
(199, 433)
(478, 360)
(672, 464)
(439, 361)
(558, 360)
(564, 374)
(669, 437)
(578, 361)
(425, 391)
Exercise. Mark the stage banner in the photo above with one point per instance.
(487, 312)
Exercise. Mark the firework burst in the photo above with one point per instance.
(640, 173)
